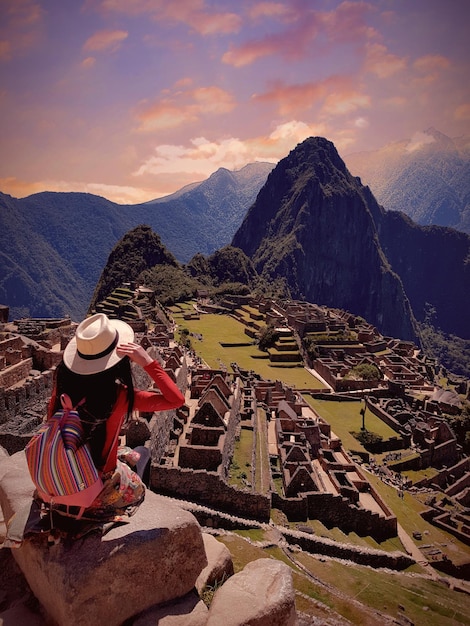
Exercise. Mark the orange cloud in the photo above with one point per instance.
(105, 40)
(184, 107)
(88, 62)
(382, 63)
(337, 94)
(345, 24)
(462, 112)
(194, 13)
(431, 62)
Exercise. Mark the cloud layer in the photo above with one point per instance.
(133, 99)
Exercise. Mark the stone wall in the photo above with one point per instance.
(362, 556)
(334, 510)
(15, 373)
(447, 475)
(160, 427)
(199, 457)
(32, 395)
(210, 490)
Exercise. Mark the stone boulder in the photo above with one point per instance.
(219, 564)
(262, 594)
(16, 486)
(154, 558)
(187, 611)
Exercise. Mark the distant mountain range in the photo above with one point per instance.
(53, 246)
(427, 177)
(313, 227)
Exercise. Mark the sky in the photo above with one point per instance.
(134, 99)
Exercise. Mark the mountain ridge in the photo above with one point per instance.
(427, 177)
(74, 233)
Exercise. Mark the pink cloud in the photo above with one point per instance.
(184, 107)
(105, 40)
(337, 95)
(21, 27)
(5, 50)
(270, 9)
(345, 24)
(194, 13)
(381, 62)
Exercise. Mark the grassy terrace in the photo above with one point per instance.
(354, 591)
(215, 328)
(345, 417)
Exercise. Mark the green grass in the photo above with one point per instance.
(407, 511)
(345, 417)
(262, 469)
(355, 591)
(421, 600)
(241, 461)
(214, 327)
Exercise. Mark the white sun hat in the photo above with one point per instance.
(93, 349)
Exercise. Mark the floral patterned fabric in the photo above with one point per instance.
(123, 489)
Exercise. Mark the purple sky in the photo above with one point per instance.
(133, 99)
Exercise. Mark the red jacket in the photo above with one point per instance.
(170, 397)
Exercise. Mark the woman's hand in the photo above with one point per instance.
(135, 352)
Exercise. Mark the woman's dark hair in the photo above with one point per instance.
(100, 392)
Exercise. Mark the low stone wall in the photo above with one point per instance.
(199, 457)
(443, 520)
(362, 556)
(209, 489)
(334, 510)
(15, 373)
(456, 472)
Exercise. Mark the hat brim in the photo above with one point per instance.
(77, 364)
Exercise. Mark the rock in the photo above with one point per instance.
(262, 594)
(16, 486)
(187, 611)
(154, 558)
(20, 614)
(219, 566)
(17, 602)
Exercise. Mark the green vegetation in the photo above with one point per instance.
(212, 327)
(262, 473)
(139, 250)
(240, 467)
(365, 371)
(451, 351)
(461, 426)
(346, 418)
(267, 337)
(325, 588)
(367, 438)
(407, 511)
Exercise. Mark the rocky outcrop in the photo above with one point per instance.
(318, 230)
(146, 571)
(314, 226)
(260, 595)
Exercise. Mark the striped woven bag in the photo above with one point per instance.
(60, 465)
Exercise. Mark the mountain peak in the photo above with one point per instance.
(313, 224)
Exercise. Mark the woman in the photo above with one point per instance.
(96, 374)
